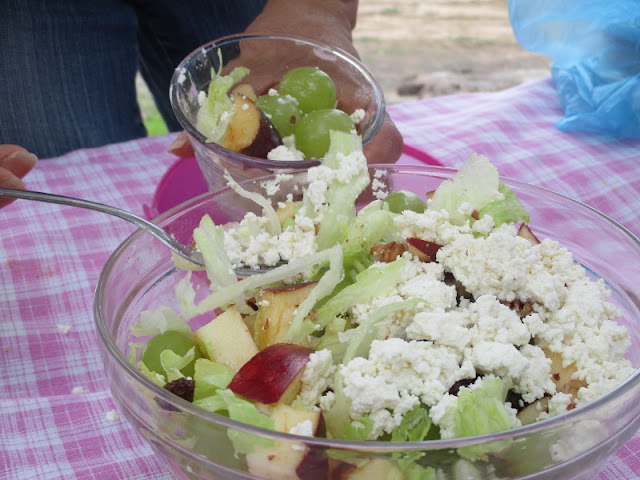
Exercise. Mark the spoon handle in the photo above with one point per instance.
(180, 248)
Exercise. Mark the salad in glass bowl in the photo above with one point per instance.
(411, 326)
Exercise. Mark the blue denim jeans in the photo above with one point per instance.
(67, 67)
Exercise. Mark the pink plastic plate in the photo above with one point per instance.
(183, 180)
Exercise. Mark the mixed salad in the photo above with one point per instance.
(409, 318)
(291, 121)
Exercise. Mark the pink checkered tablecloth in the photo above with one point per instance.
(57, 417)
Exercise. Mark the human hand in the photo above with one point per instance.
(329, 22)
(15, 163)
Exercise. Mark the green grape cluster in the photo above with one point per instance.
(305, 107)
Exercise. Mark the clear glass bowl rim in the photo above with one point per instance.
(575, 415)
(262, 162)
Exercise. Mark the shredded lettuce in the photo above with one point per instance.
(228, 294)
(325, 286)
(482, 410)
(209, 239)
(186, 297)
(508, 209)
(341, 194)
(337, 417)
(373, 282)
(214, 114)
(475, 189)
(268, 210)
(224, 401)
(209, 377)
(372, 225)
(172, 363)
(358, 430)
(360, 341)
(415, 426)
(160, 320)
(156, 378)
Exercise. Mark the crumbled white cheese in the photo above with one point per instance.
(304, 428)
(271, 187)
(317, 377)
(182, 76)
(64, 329)
(396, 376)
(358, 115)
(202, 97)
(484, 225)
(112, 416)
(284, 153)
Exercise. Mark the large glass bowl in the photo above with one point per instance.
(268, 57)
(195, 443)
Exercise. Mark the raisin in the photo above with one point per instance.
(182, 387)
(465, 382)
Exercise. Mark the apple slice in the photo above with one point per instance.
(287, 211)
(289, 460)
(531, 412)
(245, 89)
(273, 374)
(249, 132)
(563, 376)
(276, 309)
(425, 251)
(226, 339)
(525, 232)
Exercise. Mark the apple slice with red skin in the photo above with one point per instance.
(272, 375)
(525, 232)
(287, 459)
(249, 131)
(425, 251)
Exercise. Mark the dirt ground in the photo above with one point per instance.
(428, 48)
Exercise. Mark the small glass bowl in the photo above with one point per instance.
(140, 275)
(356, 89)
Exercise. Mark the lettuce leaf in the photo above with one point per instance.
(209, 239)
(229, 294)
(160, 320)
(172, 363)
(225, 402)
(324, 287)
(214, 114)
(476, 187)
(482, 410)
(209, 377)
(341, 194)
(373, 282)
(508, 209)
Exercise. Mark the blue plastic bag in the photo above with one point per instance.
(595, 49)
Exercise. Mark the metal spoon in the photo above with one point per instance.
(181, 249)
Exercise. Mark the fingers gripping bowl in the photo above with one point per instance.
(140, 276)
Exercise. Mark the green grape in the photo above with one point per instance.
(402, 200)
(170, 340)
(312, 132)
(312, 87)
(283, 112)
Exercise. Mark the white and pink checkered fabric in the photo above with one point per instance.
(51, 256)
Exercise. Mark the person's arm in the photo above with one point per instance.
(330, 22)
(15, 163)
